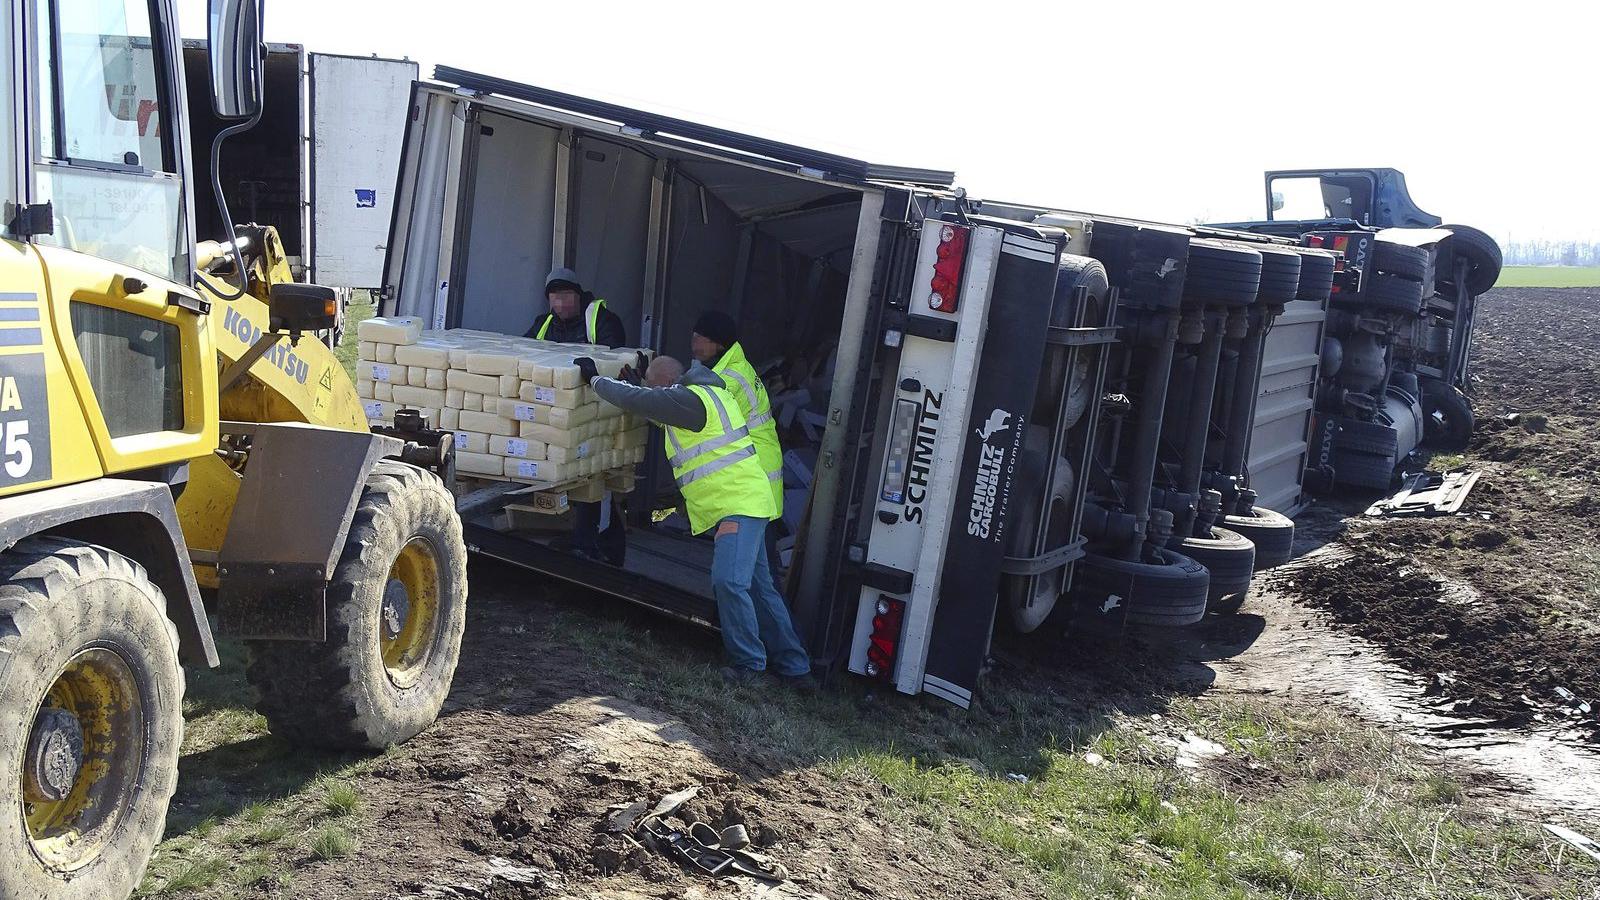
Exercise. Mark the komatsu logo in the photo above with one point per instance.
(240, 326)
(991, 464)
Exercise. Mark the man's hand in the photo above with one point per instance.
(586, 369)
(630, 375)
(644, 362)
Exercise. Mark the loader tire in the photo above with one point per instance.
(1271, 532)
(1447, 418)
(1483, 256)
(397, 606)
(91, 719)
(1230, 560)
(1168, 593)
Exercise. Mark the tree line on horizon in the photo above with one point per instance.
(1552, 253)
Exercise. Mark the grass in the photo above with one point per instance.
(340, 799)
(355, 313)
(1304, 803)
(332, 842)
(1549, 276)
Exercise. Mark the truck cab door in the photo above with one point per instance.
(111, 227)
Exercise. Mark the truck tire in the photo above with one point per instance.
(91, 719)
(1280, 275)
(1392, 293)
(1483, 256)
(1169, 593)
(1230, 561)
(1402, 260)
(1220, 272)
(396, 609)
(1316, 274)
(1447, 418)
(1272, 533)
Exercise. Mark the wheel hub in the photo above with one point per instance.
(396, 608)
(55, 756)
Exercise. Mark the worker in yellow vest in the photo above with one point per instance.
(715, 344)
(725, 491)
(577, 317)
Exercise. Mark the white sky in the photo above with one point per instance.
(1169, 111)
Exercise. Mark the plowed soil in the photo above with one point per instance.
(1499, 606)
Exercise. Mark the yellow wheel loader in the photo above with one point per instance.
(169, 423)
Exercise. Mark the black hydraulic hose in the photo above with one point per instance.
(222, 202)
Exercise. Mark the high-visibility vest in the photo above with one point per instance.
(751, 397)
(716, 468)
(591, 322)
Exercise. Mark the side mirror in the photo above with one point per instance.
(233, 32)
(1277, 201)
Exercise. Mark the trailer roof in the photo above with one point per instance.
(841, 167)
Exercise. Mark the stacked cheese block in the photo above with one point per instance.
(518, 406)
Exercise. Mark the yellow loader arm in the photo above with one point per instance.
(304, 383)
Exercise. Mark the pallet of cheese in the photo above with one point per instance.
(518, 406)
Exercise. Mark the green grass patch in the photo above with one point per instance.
(354, 314)
(332, 842)
(340, 799)
(1549, 276)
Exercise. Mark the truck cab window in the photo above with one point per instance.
(106, 160)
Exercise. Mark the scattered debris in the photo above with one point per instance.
(1017, 777)
(697, 846)
(1428, 494)
(1575, 839)
(1094, 759)
(1195, 750)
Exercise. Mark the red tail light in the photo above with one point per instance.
(885, 640)
(951, 256)
(1341, 242)
(1314, 240)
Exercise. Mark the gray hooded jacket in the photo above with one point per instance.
(676, 405)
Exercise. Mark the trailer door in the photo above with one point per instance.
(972, 336)
(417, 255)
(358, 122)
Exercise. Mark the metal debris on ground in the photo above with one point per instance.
(1428, 494)
(1575, 839)
(698, 848)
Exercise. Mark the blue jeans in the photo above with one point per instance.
(756, 629)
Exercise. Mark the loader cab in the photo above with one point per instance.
(103, 334)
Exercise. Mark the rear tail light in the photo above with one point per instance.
(897, 467)
(1314, 240)
(885, 641)
(950, 257)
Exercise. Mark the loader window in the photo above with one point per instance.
(135, 366)
(105, 159)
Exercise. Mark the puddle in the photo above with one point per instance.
(1275, 646)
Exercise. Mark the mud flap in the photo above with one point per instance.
(1002, 402)
(299, 493)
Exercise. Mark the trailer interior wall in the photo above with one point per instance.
(1278, 448)
(493, 199)
(261, 169)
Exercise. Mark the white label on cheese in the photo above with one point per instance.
(526, 469)
(583, 450)
(544, 395)
(516, 447)
(375, 409)
(524, 412)
(462, 438)
(380, 372)
(441, 301)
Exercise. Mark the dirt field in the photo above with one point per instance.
(1267, 754)
(1500, 607)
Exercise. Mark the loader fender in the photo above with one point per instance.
(136, 518)
(296, 501)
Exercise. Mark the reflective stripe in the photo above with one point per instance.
(774, 476)
(545, 328)
(592, 315)
(749, 392)
(682, 456)
(759, 420)
(714, 466)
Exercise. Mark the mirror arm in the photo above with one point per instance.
(222, 202)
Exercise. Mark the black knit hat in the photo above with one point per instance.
(717, 326)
